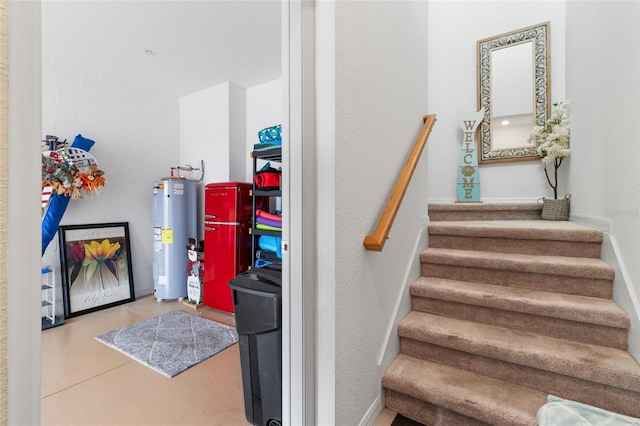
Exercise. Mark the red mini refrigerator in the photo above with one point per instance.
(227, 240)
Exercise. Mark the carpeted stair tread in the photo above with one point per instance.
(537, 237)
(484, 211)
(551, 265)
(480, 397)
(521, 229)
(592, 310)
(595, 363)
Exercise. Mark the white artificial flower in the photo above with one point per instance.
(553, 140)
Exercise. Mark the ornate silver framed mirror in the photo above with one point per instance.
(514, 88)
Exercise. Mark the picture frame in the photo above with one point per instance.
(96, 267)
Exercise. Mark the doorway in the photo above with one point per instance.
(24, 349)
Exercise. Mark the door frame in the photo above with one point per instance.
(299, 214)
(20, 222)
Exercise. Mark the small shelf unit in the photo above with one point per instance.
(48, 285)
(263, 197)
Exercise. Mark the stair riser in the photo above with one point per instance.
(425, 412)
(570, 330)
(515, 245)
(438, 216)
(614, 399)
(545, 282)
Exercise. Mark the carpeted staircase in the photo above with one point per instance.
(510, 309)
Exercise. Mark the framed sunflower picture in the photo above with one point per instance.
(96, 267)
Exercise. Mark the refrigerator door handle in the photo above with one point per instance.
(209, 229)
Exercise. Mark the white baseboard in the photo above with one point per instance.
(599, 223)
(623, 292)
(372, 413)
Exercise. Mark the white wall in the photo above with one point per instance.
(603, 82)
(454, 28)
(263, 110)
(22, 260)
(204, 139)
(380, 99)
(136, 134)
(213, 127)
(204, 131)
(238, 154)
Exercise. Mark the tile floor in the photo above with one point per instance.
(85, 382)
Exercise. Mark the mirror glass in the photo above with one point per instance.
(513, 89)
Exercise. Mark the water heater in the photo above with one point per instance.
(174, 223)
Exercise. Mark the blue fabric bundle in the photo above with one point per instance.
(269, 138)
(270, 134)
(271, 244)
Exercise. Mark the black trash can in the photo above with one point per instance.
(257, 301)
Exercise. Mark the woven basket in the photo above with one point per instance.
(553, 209)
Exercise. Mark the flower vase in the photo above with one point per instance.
(555, 209)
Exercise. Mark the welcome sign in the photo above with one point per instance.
(468, 171)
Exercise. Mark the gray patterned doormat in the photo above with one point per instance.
(172, 342)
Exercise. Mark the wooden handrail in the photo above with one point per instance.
(376, 241)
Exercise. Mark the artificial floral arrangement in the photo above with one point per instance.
(553, 141)
(71, 172)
